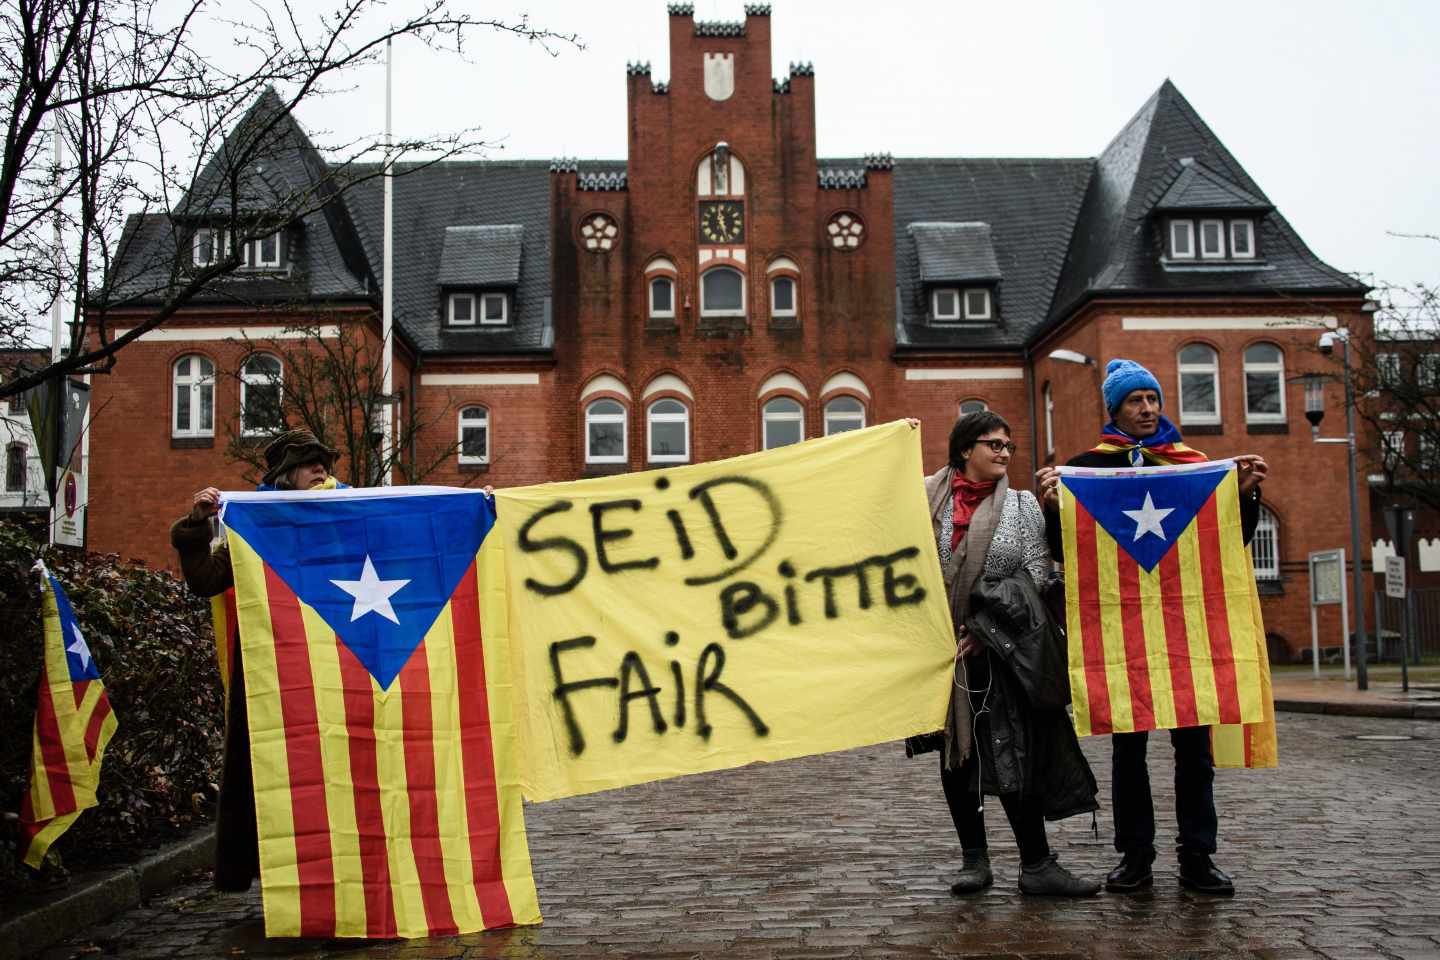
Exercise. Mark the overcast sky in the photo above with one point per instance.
(1330, 105)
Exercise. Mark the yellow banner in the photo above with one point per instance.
(702, 617)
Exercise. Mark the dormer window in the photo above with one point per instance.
(1211, 239)
(467, 309)
(949, 304)
(210, 245)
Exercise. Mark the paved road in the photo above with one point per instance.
(1336, 855)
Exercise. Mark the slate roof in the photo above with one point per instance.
(481, 256)
(1116, 245)
(1200, 188)
(1030, 206)
(955, 252)
(429, 199)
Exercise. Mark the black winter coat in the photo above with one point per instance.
(1025, 740)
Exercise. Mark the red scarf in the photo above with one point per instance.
(969, 494)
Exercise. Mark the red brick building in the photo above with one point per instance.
(723, 289)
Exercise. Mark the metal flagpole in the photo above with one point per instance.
(387, 316)
(57, 326)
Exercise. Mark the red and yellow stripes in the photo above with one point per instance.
(227, 638)
(73, 725)
(1176, 646)
(381, 813)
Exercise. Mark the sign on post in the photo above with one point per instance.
(1327, 586)
(1395, 577)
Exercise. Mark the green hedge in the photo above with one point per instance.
(154, 647)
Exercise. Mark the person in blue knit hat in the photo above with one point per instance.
(1139, 435)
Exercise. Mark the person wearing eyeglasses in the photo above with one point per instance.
(1139, 436)
(999, 739)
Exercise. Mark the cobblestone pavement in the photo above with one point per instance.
(1335, 855)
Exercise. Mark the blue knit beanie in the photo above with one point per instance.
(1122, 377)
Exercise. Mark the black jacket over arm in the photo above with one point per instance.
(1249, 503)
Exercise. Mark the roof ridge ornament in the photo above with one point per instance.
(681, 9)
(719, 28)
(757, 9)
(637, 68)
(879, 161)
(802, 68)
(842, 178)
(603, 180)
(564, 165)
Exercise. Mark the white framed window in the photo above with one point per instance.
(945, 303)
(474, 436)
(606, 429)
(1199, 368)
(1212, 239)
(667, 427)
(1393, 448)
(842, 414)
(977, 304)
(16, 455)
(261, 394)
(1049, 399)
(1265, 547)
(972, 406)
(782, 297)
(1427, 371)
(1427, 453)
(1387, 368)
(494, 308)
(662, 297)
(782, 423)
(722, 293)
(1242, 239)
(462, 309)
(208, 246)
(1182, 239)
(194, 407)
(1264, 384)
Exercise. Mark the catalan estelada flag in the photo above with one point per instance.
(383, 751)
(1162, 612)
(227, 639)
(73, 723)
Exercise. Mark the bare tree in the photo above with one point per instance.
(326, 376)
(153, 123)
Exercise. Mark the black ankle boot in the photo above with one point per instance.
(1048, 879)
(1199, 873)
(975, 875)
(1132, 874)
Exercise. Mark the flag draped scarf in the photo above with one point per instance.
(73, 724)
(1164, 446)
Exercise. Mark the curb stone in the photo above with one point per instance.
(101, 897)
(1382, 709)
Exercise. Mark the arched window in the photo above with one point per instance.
(783, 422)
(194, 413)
(1265, 547)
(474, 435)
(971, 406)
(722, 293)
(782, 297)
(1199, 384)
(1264, 384)
(662, 297)
(605, 432)
(261, 395)
(844, 413)
(15, 455)
(668, 431)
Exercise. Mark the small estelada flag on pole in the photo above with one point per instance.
(379, 701)
(73, 723)
(1162, 612)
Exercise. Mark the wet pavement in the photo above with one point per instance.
(850, 855)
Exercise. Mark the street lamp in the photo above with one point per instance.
(1072, 356)
(1315, 412)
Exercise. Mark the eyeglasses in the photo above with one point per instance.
(998, 445)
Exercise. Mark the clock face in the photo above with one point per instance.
(722, 222)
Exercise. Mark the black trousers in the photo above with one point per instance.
(1024, 813)
(1194, 792)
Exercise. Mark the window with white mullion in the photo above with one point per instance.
(844, 414)
(1264, 384)
(662, 297)
(1212, 239)
(1182, 239)
(494, 308)
(945, 303)
(1393, 451)
(667, 427)
(474, 435)
(194, 407)
(462, 309)
(782, 423)
(261, 395)
(1265, 546)
(1199, 371)
(977, 304)
(1242, 239)
(605, 432)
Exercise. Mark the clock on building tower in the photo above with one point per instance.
(722, 222)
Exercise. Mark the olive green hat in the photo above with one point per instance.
(293, 448)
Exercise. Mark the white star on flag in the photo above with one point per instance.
(80, 648)
(372, 595)
(1147, 518)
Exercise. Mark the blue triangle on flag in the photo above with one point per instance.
(1145, 513)
(377, 569)
(77, 650)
